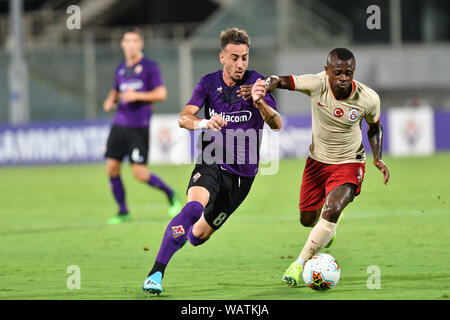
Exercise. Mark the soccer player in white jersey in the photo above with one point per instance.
(334, 170)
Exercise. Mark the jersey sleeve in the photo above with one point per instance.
(372, 115)
(154, 78)
(308, 84)
(199, 95)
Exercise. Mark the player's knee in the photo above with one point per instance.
(306, 221)
(113, 171)
(141, 175)
(332, 211)
(308, 218)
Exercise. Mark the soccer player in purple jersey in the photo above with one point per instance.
(137, 85)
(227, 166)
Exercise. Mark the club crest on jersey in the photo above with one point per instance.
(177, 231)
(138, 69)
(353, 115)
(196, 176)
(338, 112)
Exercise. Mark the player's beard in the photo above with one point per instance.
(236, 77)
(232, 74)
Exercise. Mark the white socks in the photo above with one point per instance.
(320, 235)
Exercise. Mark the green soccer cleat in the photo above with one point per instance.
(121, 218)
(175, 205)
(292, 275)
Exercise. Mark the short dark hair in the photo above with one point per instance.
(235, 36)
(135, 30)
(342, 54)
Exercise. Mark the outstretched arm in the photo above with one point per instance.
(272, 82)
(375, 135)
(280, 82)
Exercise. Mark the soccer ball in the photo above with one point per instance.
(321, 272)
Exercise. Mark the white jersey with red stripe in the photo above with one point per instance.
(336, 124)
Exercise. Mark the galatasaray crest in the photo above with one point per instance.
(353, 115)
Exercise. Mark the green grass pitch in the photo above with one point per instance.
(54, 217)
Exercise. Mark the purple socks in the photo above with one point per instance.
(157, 182)
(177, 231)
(193, 239)
(119, 193)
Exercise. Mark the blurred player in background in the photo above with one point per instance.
(137, 85)
(334, 170)
(216, 187)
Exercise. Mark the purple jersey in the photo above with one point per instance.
(143, 76)
(236, 146)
